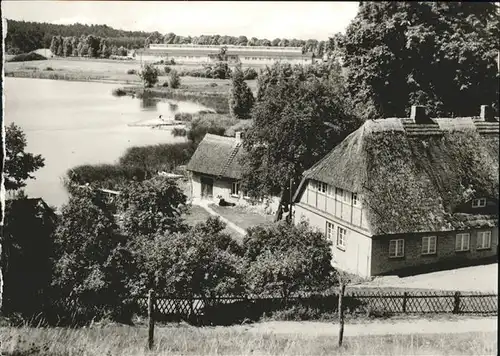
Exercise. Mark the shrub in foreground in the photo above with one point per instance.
(203, 262)
(91, 264)
(283, 259)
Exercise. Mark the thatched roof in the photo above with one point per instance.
(413, 176)
(29, 208)
(218, 156)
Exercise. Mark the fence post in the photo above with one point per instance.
(456, 304)
(341, 312)
(151, 309)
(405, 299)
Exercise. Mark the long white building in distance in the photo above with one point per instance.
(190, 53)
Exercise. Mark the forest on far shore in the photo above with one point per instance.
(23, 37)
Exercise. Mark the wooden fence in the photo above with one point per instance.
(383, 302)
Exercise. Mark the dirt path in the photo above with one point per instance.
(419, 326)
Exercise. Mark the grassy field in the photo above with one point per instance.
(110, 71)
(186, 340)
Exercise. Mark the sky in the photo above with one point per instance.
(301, 20)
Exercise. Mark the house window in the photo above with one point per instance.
(235, 189)
(462, 242)
(339, 193)
(330, 230)
(331, 191)
(347, 197)
(483, 240)
(355, 200)
(479, 203)
(396, 248)
(341, 237)
(429, 245)
(322, 187)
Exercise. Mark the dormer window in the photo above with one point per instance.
(479, 203)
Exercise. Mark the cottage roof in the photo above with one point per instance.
(218, 156)
(412, 176)
(32, 207)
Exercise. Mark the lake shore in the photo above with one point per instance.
(212, 93)
(113, 71)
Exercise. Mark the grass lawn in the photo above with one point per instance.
(242, 217)
(197, 214)
(187, 340)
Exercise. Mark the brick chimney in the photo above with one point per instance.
(486, 113)
(419, 115)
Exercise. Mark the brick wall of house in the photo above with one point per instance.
(355, 257)
(445, 250)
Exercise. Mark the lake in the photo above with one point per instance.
(74, 123)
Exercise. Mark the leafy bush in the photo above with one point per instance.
(91, 263)
(149, 75)
(108, 176)
(152, 206)
(213, 85)
(161, 157)
(119, 92)
(241, 126)
(24, 57)
(283, 258)
(165, 84)
(250, 74)
(167, 69)
(172, 62)
(183, 116)
(208, 123)
(49, 69)
(179, 132)
(131, 71)
(174, 80)
(201, 262)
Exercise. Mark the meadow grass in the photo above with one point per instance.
(182, 339)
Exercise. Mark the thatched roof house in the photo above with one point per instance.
(415, 175)
(218, 156)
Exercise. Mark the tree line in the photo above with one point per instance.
(85, 46)
(23, 36)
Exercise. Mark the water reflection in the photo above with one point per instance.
(149, 104)
(173, 107)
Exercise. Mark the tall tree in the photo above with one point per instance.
(241, 99)
(438, 54)
(289, 132)
(19, 165)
